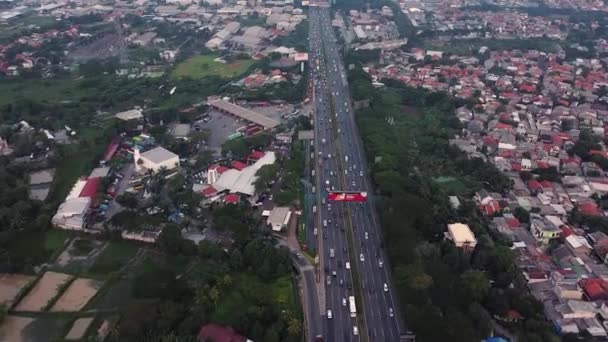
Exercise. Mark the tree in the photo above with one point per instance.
(265, 175)
(170, 240)
(474, 285)
(522, 215)
(128, 200)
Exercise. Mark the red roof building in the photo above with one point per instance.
(90, 188)
(491, 208)
(590, 208)
(534, 185)
(255, 156)
(232, 199)
(219, 168)
(566, 231)
(219, 333)
(209, 191)
(594, 288)
(238, 165)
(111, 149)
(513, 222)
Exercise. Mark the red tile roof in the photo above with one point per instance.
(238, 165)
(255, 155)
(90, 188)
(566, 231)
(232, 199)
(533, 184)
(219, 333)
(209, 191)
(111, 149)
(594, 288)
(590, 208)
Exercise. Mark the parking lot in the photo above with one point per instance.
(220, 126)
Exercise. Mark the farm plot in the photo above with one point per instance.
(10, 285)
(79, 328)
(45, 289)
(12, 328)
(77, 295)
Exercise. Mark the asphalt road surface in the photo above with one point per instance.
(340, 165)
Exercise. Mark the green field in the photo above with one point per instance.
(40, 90)
(36, 247)
(204, 66)
(114, 256)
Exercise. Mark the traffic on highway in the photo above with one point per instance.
(358, 299)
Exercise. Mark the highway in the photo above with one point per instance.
(341, 165)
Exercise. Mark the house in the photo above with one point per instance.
(155, 159)
(544, 231)
(279, 218)
(145, 39)
(462, 236)
(132, 114)
(574, 309)
(232, 199)
(219, 333)
(594, 288)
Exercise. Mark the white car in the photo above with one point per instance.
(366, 236)
(344, 302)
(355, 331)
(362, 258)
(380, 263)
(329, 314)
(390, 312)
(385, 287)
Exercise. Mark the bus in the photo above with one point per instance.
(353, 307)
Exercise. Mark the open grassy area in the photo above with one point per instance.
(54, 239)
(114, 256)
(37, 246)
(205, 65)
(283, 293)
(41, 90)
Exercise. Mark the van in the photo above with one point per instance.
(347, 265)
(355, 331)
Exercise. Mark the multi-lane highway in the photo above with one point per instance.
(340, 165)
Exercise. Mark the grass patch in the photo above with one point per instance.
(82, 247)
(80, 160)
(54, 239)
(205, 66)
(36, 247)
(55, 90)
(283, 293)
(115, 256)
(453, 185)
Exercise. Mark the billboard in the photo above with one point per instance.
(347, 196)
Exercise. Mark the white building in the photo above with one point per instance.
(132, 114)
(71, 214)
(279, 218)
(462, 235)
(236, 181)
(155, 159)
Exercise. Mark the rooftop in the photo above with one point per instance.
(244, 113)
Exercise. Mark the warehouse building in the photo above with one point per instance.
(155, 159)
(462, 236)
